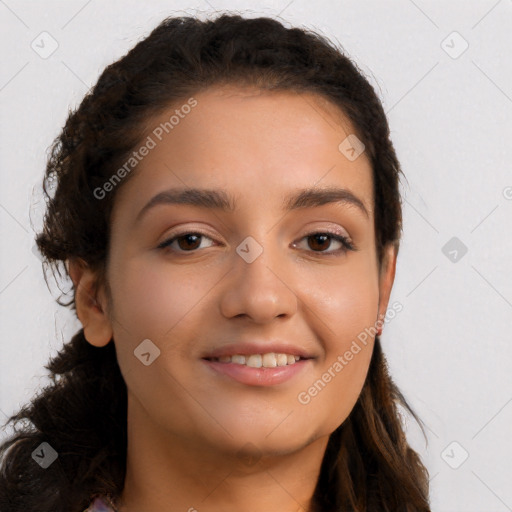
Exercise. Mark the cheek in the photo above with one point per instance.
(335, 391)
(347, 316)
(345, 301)
(343, 305)
(165, 306)
(152, 301)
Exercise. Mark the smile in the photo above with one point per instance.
(253, 372)
(269, 360)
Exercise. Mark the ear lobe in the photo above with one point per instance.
(90, 312)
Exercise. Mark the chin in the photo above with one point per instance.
(254, 441)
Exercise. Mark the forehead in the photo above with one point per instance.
(259, 145)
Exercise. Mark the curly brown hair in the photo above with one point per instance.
(368, 464)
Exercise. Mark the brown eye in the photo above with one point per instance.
(189, 242)
(186, 242)
(321, 241)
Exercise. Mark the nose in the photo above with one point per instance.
(260, 290)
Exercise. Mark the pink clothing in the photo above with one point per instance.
(101, 504)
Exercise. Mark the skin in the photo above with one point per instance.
(191, 433)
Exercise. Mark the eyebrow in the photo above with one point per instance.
(220, 200)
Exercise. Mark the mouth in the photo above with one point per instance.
(268, 369)
(267, 360)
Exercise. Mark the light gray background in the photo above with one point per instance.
(451, 119)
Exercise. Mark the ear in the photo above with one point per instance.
(90, 307)
(386, 279)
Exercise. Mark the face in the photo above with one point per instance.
(194, 279)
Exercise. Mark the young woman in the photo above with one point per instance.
(227, 207)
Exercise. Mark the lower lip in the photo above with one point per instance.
(259, 376)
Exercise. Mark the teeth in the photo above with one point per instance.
(255, 361)
(282, 359)
(269, 360)
(238, 359)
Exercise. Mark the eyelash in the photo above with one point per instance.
(346, 243)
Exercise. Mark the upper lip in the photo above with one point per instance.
(258, 347)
